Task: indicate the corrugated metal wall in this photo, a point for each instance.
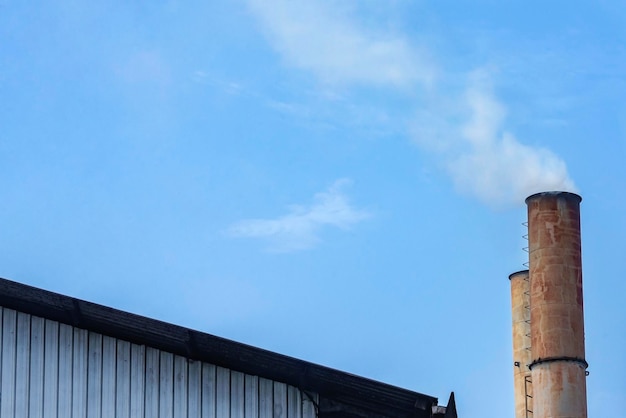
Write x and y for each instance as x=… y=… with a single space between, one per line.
x=53 y=370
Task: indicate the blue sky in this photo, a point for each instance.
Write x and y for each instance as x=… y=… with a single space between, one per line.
x=339 y=181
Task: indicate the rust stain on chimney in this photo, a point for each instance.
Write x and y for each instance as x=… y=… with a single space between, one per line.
x=558 y=366
x=520 y=308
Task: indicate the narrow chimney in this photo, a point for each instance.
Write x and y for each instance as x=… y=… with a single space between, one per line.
x=520 y=308
x=558 y=366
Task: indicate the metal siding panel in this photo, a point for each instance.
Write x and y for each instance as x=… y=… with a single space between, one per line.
x=251 y=396
x=1 y=356
x=94 y=376
x=122 y=383
x=166 y=385
x=237 y=394
x=109 y=363
x=222 y=392
x=66 y=337
x=194 y=389
x=266 y=398
x=37 y=337
x=180 y=387
x=209 y=390
x=1 y=333
x=294 y=402
x=9 y=341
x=51 y=369
x=309 y=405
x=152 y=382
x=280 y=400
x=137 y=380
x=55 y=371
x=79 y=373
x=22 y=365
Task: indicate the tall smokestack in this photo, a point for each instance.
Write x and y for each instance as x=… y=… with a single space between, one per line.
x=558 y=367
x=520 y=308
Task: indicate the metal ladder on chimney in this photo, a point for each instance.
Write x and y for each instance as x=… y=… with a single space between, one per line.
x=527 y=291
x=528 y=383
x=528 y=392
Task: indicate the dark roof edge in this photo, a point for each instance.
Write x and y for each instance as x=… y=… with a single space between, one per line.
x=201 y=346
x=451 y=408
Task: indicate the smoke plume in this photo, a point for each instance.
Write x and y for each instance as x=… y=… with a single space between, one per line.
x=467 y=135
x=482 y=158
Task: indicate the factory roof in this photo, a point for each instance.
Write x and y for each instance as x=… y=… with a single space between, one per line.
x=340 y=394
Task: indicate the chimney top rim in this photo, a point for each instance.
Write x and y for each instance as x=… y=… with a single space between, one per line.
x=526 y=271
x=568 y=195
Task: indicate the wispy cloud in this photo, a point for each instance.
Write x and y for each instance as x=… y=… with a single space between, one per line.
x=145 y=67
x=313 y=35
x=299 y=229
x=226 y=86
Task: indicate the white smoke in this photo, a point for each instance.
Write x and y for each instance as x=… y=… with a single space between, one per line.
x=467 y=135
x=483 y=159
